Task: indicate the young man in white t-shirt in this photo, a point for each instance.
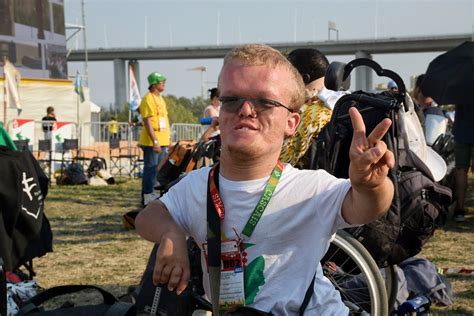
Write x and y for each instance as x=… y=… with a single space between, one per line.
x=290 y=230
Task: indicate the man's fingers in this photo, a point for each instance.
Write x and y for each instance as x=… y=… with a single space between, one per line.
x=379 y=131
x=174 y=277
x=389 y=159
x=374 y=154
x=157 y=273
x=358 y=138
x=165 y=274
x=183 y=283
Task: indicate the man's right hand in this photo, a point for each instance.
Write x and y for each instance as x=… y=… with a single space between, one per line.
x=172 y=263
x=157 y=148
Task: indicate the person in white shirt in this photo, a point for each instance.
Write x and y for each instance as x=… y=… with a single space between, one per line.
x=212 y=110
x=280 y=219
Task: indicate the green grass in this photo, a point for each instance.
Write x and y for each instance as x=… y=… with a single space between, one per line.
x=92 y=247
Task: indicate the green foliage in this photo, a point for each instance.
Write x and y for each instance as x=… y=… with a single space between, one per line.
x=120 y=116
x=180 y=110
x=198 y=105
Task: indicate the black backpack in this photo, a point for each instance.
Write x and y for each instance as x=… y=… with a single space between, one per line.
x=158 y=300
x=96 y=164
x=419 y=203
x=73 y=174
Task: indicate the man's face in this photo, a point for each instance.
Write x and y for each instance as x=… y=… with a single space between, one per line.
x=160 y=86
x=247 y=133
x=421 y=99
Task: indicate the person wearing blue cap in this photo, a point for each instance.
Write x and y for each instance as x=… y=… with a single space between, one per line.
x=155 y=134
x=392 y=87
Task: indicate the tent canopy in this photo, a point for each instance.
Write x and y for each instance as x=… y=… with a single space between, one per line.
x=94 y=107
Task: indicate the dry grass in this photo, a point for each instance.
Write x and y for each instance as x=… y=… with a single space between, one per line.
x=92 y=247
x=453 y=247
x=90 y=244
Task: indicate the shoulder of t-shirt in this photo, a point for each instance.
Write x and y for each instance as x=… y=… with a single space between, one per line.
x=194 y=175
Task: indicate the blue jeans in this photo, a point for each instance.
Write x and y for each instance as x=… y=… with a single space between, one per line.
x=151 y=160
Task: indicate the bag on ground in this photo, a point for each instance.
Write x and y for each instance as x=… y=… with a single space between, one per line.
x=110 y=305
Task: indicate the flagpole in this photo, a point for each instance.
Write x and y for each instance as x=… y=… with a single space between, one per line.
x=130 y=127
x=77 y=110
x=78 y=97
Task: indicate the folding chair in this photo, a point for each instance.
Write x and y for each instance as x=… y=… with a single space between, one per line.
x=44 y=156
x=22 y=144
x=119 y=153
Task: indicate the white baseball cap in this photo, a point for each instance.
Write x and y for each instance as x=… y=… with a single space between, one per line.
x=424 y=157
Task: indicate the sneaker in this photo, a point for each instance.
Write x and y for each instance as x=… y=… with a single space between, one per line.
x=148 y=197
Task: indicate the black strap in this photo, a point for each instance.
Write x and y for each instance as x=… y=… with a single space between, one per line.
x=48 y=294
x=122 y=309
x=214 y=245
x=308 y=294
x=214 y=226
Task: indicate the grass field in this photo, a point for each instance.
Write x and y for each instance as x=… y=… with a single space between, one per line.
x=92 y=247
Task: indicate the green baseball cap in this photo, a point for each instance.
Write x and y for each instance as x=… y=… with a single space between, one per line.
x=155 y=77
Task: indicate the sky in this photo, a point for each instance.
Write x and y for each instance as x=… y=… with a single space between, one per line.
x=159 y=23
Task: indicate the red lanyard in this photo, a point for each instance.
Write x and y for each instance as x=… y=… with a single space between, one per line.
x=261 y=205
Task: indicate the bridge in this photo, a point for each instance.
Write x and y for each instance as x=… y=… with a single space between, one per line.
x=360 y=48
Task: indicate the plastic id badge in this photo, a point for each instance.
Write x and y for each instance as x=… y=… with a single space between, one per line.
x=232 y=276
x=162 y=124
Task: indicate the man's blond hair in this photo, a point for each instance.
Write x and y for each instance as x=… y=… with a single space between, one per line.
x=260 y=54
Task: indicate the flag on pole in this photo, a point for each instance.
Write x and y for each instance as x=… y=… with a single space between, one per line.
x=78 y=87
x=135 y=98
x=12 y=82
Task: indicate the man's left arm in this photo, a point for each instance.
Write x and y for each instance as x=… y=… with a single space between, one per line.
x=372 y=191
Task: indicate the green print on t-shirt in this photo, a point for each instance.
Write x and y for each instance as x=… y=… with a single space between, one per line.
x=253 y=278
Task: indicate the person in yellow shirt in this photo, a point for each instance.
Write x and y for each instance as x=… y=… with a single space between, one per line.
x=113 y=128
x=155 y=134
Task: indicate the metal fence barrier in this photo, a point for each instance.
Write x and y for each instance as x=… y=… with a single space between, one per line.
x=93 y=137
x=181 y=131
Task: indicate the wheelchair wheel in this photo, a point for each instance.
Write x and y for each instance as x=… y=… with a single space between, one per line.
x=353 y=272
x=390 y=276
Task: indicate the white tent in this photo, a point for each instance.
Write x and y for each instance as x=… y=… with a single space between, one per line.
x=95 y=112
x=37 y=95
x=94 y=107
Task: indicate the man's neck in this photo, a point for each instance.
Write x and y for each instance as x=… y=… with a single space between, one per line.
x=246 y=169
x=155 y=92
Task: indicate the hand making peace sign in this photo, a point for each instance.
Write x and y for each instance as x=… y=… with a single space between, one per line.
x=370 y=158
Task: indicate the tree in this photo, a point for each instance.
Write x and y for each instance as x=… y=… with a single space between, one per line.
x=178 y=112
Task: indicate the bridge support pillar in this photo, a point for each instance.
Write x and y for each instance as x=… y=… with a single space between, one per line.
x=120 y=84
x=364 y=74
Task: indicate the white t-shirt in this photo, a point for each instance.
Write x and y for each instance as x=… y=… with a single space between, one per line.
x=288 y=242
x=211 y=111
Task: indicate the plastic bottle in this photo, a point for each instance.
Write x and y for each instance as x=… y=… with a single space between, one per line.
x=418 y=304
x=206 y=120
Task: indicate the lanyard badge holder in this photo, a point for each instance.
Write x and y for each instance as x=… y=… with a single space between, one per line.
x=224 y=258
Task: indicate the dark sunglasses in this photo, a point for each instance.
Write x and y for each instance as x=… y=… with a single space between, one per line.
x=233 y=104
